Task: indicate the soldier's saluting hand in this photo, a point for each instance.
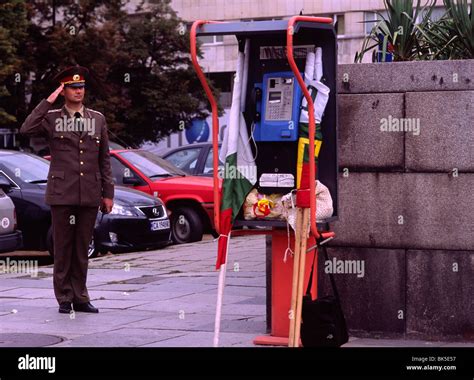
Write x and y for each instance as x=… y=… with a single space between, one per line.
x=52 y=98
x=79 y=181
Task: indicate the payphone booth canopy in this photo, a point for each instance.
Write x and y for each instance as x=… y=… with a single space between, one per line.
x=268 y=35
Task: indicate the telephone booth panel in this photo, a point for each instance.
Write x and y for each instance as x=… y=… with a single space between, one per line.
x=272 y=106
x=276 y=151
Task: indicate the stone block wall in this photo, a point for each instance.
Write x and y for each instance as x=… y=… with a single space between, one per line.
x=406 y=197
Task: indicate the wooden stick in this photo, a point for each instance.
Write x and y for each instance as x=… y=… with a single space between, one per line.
x=294 y=284
x=301 y=271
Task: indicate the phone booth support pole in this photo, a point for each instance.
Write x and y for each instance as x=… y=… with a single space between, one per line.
x=215 y=120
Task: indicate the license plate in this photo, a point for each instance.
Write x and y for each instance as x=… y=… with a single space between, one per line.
x=160 y=225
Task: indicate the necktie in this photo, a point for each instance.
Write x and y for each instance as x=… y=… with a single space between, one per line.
x=78 y=122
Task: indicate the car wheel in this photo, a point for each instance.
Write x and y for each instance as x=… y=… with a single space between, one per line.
x=186 y=226
x=91 y=251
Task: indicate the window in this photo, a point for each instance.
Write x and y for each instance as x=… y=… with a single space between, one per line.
x=261 y=19
x=28 y=168
x=371 y=18
x=208 y=166
x=150 y=164
x=340 y=26
x=211 y=39
x=436 y=14
x=223 y=81
x=185 y=159
x=121 y=171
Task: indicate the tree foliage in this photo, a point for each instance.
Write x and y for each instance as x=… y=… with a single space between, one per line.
x=141 y=76
x=13 y=26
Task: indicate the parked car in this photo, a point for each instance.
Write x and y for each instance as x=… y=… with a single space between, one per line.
x=188 y=198
x=11 y=239
x=195 y=159
x=137 y=221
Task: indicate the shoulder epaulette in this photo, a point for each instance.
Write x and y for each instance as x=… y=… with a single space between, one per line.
x=100 y=113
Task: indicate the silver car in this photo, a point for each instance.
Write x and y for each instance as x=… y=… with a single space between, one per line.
x=10 y=238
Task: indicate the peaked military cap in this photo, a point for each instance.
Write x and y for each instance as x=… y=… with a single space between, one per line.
x=73 y=76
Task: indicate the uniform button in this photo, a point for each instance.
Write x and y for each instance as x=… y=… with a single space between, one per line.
x=80 y=141
x=82 y=163
x=81 y=152
x=82 y=173
x=62 y=136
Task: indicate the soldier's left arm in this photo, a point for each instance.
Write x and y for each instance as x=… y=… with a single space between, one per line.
x=104 y=164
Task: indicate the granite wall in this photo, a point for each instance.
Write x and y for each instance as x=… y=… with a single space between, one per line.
x=406 y=198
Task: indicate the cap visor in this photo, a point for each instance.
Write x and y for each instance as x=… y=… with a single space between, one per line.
x=75 y=85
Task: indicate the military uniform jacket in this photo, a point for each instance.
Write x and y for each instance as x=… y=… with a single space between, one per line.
x=80 y=172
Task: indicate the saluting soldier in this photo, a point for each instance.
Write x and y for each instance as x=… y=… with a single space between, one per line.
x=79 y=181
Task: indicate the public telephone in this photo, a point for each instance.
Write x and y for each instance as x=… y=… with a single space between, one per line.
x=277 y=101
x=272 y=116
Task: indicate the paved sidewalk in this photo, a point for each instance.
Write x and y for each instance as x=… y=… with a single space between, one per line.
x=162 y=298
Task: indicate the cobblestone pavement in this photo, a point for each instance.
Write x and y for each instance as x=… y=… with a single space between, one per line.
x=161 y=298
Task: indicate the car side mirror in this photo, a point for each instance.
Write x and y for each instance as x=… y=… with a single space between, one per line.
x=131 y=181
x=5 y=184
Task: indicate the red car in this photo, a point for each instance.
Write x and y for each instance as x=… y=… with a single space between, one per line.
x=188 y=198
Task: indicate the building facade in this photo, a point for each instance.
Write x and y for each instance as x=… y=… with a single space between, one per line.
x=353 y=21
x=350 y=17
x=220 y=52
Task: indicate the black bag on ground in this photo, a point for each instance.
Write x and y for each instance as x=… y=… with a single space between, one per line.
x=322 y=320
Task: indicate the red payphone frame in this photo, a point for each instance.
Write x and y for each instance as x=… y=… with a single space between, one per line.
x=304 y=199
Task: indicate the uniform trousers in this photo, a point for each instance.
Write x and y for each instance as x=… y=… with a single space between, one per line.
x=73 y=227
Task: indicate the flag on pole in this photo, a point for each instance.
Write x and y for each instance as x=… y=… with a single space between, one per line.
x=320 y=94
x=240 y=171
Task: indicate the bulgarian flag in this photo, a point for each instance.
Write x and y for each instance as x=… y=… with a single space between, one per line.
x=240 y=171
x=320 y=95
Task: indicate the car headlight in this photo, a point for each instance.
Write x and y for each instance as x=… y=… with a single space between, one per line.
x=120 y=210
x=165 y=210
